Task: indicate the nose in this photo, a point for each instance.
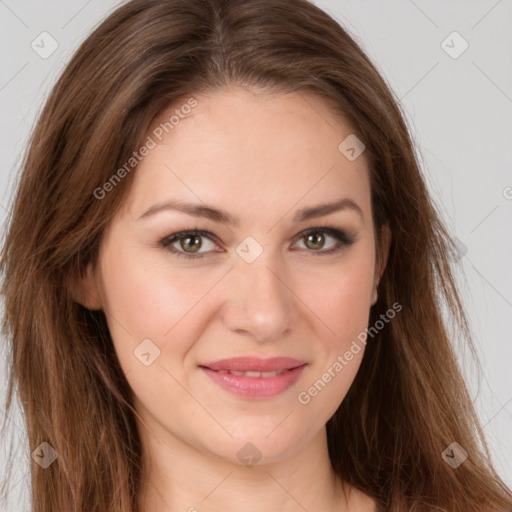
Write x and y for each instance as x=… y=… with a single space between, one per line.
x=260 y=303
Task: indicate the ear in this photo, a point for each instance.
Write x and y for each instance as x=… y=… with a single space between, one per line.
x=85 y=289
x=384 y=254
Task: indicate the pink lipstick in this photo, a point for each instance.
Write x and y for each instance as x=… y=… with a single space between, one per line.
x=253 y=377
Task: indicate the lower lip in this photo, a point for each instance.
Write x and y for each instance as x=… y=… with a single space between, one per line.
x=255 y=387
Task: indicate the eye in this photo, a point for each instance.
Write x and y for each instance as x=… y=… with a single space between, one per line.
x=316 y=239
x=188 y=244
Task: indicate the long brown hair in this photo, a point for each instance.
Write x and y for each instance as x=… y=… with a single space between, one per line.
x=408 y=402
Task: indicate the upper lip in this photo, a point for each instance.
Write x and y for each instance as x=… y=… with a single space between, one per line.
x=247 y=364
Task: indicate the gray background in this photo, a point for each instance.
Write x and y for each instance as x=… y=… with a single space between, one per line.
x=460 y=114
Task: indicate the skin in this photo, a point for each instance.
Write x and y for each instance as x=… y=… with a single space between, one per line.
x=261 y=157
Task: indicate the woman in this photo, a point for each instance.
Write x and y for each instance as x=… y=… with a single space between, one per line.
x=223 y=278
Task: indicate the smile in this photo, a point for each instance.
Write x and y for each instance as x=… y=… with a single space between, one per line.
x=252 y=377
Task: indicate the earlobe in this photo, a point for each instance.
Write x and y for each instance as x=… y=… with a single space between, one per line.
x=85 y=290
x=375 y=294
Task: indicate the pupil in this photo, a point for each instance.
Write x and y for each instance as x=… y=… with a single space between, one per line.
x=317 y=240
x=195 y=245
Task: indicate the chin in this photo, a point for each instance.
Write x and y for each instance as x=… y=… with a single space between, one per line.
x=256 y=446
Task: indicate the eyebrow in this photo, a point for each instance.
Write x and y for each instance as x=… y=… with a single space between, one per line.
x=217 y=215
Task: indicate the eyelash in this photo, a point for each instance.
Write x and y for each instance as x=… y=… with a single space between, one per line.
x=342 y=238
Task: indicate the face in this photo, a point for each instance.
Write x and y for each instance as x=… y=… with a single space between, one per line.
x=225 y=249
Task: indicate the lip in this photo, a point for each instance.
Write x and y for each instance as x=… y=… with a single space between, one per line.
x=252 y=386
x=256 y=364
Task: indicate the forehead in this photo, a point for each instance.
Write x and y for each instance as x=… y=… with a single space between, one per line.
x=249 y=150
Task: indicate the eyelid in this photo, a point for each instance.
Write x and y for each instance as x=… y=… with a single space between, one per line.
x=341 y=236
x=167 y=241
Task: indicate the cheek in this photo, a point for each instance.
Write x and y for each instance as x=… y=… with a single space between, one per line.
x=148 y=297
x=343 y=307
x=341 y=298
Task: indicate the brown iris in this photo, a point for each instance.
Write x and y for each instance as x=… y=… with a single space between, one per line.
x=191 y=242
x=317 y=241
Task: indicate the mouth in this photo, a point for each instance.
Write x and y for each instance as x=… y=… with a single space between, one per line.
x=253 y=377
x=251 y=373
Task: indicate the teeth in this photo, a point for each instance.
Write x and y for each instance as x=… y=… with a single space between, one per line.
x=271 y=374
x=253 y=373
